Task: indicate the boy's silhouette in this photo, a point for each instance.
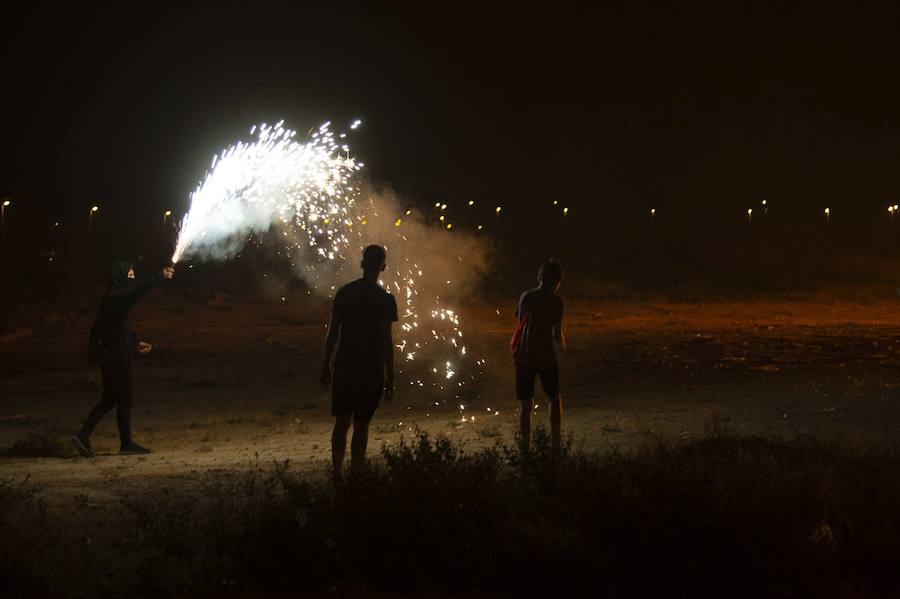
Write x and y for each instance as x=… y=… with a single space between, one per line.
x=543 y=309
x=361 y=318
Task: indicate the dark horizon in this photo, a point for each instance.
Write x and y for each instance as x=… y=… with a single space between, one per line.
x=695 y=110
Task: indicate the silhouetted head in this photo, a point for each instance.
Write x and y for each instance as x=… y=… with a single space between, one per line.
x=121 y=275
x=373 y=260
x=550 y=275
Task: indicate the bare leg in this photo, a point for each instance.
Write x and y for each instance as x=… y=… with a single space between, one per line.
x=339 y=444
x=525 y=424
x=556 y=420
x=359 y=443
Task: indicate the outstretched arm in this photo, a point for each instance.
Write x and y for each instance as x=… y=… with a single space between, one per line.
x=334 y=327
x=133 y=296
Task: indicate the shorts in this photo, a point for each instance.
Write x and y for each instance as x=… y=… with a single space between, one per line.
x=355 y=396
x=525 y=374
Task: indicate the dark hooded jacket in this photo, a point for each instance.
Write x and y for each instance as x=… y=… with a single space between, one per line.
x=115 y=318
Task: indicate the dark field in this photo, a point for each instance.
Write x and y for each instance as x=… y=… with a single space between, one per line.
x=796 y=402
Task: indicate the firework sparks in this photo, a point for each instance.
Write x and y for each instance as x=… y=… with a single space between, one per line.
x=308 y=195
x=251 y=186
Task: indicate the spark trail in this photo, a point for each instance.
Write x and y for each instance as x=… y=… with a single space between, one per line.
x=307 y=195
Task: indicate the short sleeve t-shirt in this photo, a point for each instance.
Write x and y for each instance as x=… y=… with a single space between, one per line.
x=546 y=310
x=363 y=307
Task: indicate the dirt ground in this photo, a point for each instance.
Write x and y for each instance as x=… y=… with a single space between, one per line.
x=231 y=385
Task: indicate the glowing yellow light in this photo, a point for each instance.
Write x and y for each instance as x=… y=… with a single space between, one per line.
x=555 y=202
x=763 y=202
x=437 y=205
x=480 y=227
x=442 y=218
x=896 y=207
x=95 y=208
x=565 y=211
x=443 y=206
x=890 y=208
x=498 y=209
x=56 y=224
x=397 y=222
x=408 y=212
x=749 y=211
x=6 y=203
x=167 y=213
x=652 y=211
x=827 y=211
x=471 y=202
x=449 y=226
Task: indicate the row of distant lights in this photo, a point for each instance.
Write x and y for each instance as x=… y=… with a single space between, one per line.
x=168 y=213
x=497 y=211
x=91 y=212
x=764 y=204
x=891 y=209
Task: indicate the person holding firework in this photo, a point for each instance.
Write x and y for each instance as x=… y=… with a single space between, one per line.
x=111 y=347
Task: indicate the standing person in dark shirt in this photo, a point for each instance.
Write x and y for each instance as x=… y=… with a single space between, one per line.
x=361 y=318
x=543 y=310
x=118 y=341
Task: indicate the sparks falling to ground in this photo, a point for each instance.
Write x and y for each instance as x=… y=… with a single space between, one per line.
x=307 y=195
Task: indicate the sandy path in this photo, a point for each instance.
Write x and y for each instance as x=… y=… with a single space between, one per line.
x=233 y=388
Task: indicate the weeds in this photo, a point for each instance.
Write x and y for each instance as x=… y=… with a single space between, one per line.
x=723 y=516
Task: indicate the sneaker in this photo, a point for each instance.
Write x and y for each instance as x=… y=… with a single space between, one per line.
x=83 y=446
x=133 y=449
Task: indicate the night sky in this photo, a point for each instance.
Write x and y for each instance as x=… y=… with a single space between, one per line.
x=692 y=108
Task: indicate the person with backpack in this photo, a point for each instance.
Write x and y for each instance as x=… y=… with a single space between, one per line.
x=110 y=346
x=538 y=334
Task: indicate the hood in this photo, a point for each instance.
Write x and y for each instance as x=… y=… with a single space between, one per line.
x=118 y=275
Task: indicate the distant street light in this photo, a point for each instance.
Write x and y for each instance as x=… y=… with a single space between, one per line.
x=652 y=214
x=749 y=216
x=5 y=205
x=765 y=206
x=827 y=216
x=166 y=216
x=91 y=213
